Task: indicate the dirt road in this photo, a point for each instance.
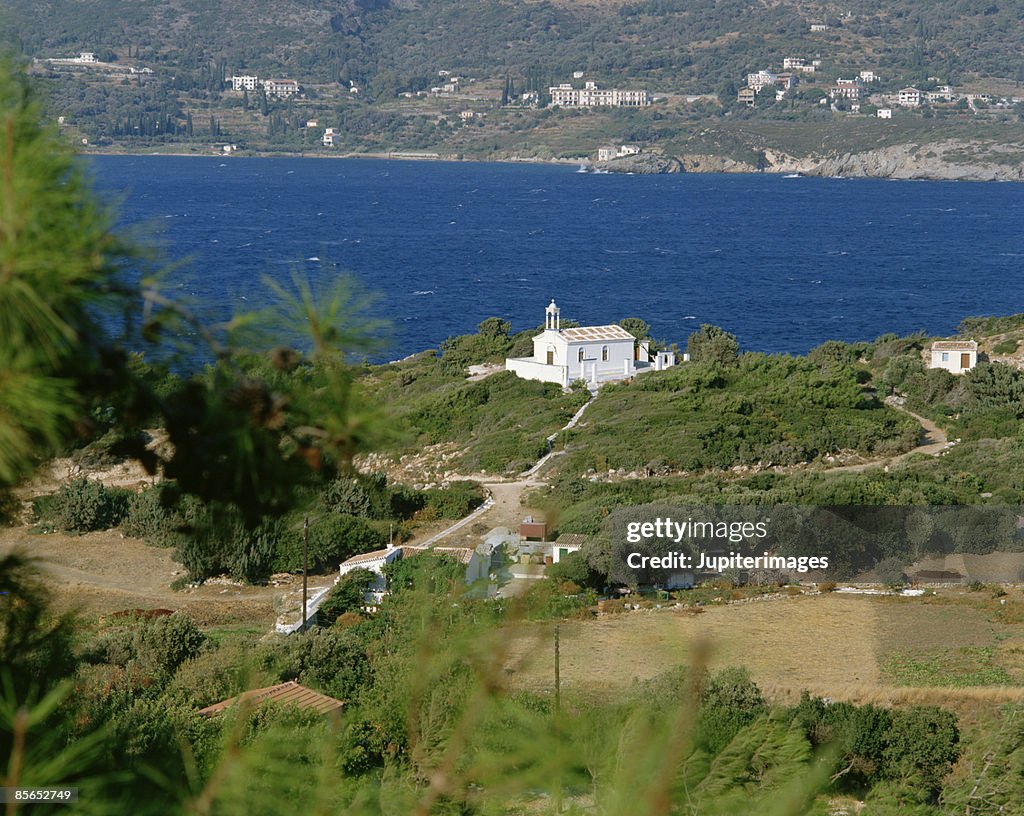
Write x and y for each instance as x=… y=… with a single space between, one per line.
x=100 y=573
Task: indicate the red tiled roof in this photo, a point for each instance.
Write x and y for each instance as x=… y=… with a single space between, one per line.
x=954 y=345
x=463 y=554
x=290 y=693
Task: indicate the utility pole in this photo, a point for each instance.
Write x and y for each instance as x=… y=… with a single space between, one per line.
x=305 y=568
x=558 y=678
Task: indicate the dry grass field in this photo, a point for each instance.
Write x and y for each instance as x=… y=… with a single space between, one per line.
x=859 y=648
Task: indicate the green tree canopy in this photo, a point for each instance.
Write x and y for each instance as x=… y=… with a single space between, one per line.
x=711 y=344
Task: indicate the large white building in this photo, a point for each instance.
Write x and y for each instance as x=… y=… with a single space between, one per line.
x=761 y=79
x=281 y=88
x=594 y=354
x=956 y=356
x=591 y=96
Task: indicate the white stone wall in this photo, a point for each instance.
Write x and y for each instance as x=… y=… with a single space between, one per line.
x=530 y=369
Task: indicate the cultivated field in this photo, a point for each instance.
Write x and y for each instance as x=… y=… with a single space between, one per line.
x=953 y=649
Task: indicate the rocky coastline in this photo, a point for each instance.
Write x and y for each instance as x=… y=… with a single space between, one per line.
x=951 y=160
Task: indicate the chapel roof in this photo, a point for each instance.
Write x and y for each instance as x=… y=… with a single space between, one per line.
x=584 y=333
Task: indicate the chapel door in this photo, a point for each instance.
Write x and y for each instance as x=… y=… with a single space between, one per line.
x=965 y=361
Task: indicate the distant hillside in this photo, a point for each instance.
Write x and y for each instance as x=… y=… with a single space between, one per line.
x=366 y=67
x=672 y=45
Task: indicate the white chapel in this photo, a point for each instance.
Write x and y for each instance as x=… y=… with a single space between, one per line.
x=595 y=354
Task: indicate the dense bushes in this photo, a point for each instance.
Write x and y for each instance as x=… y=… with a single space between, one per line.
x=161 y=516
x=915 y=747
x=156 y=646
x=346 y=596
x=766 y=409
x=84 y=505
x=987 y=402
x=491 y=343
x=346 y=516
x=332 y=538
x=370 y=496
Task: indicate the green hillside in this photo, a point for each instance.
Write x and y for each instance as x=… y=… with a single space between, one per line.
x=677 y=45
x=366 y=67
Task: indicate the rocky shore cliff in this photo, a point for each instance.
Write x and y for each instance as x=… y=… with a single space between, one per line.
x=951 y=160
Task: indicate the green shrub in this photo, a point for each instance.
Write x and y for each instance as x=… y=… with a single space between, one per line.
x=1007 y=346
x=208 y=677
x=921 y=746
x=219 y=541
x=346 y=595
x=456 y=500
x=84 y=505
x=729 y=701
x=153 y=645
x=332 y=539
x=160 y=515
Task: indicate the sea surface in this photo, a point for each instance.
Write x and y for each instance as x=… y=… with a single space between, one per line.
x=784 y=263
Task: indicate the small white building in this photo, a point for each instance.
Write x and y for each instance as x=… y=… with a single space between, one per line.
x=374 y=562
x=868 y=76
x=609 y=153
x=594 y=354
x=884 y=113
x=328 y=137
x=909 y=98
x=86 y=56
x=956 y=356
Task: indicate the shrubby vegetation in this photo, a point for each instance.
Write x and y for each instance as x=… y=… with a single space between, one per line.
x=426 y=700
x=83 y=505
x=499 y=424
x=757 y=409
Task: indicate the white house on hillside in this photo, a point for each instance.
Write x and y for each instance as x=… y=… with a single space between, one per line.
x=956 y=356
x=595 y=354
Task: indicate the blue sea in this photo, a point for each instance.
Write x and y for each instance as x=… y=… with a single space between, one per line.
x=784 y=263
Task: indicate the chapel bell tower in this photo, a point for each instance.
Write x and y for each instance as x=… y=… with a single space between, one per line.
x=552 y=317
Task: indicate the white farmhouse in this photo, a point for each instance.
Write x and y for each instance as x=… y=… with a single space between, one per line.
x=595 y=354
x=956 y=356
